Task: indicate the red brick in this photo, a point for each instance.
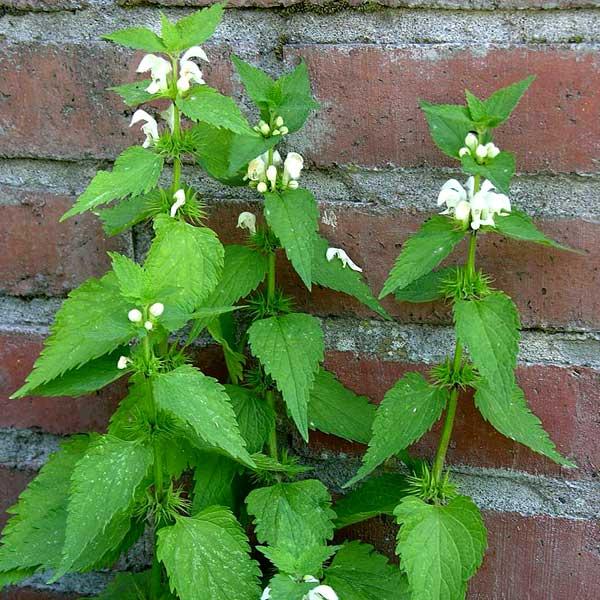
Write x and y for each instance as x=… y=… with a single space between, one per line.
x=565 y=399
x=12 y=483
x=39 y=255
x=550 y=287
x=370 y=116
x=532 y=557
x=54 y=102
x=27 y=593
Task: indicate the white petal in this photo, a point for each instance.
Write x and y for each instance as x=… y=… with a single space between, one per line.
x=134 y=315
x=462 y=210
x=471 y=141
x=266 y=595
x=123 y=362
x=147 y=63
x=256 y=169
x=169 y=116
x=276 y=158
x=451 y=194
x=481 y=152
x=247 y=220
x=272 y=175
x=322 y=592
x=293 y=165
x=310 y=579
x=157 y=309
x=148 y=325
x=141 y=115
x=179 y=197
x=155 y=87
x=341 y=254
x=194 y=52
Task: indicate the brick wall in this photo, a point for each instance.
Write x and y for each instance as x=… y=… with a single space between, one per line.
x=376 y=174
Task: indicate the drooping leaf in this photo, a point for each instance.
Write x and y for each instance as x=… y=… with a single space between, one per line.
x=136 y=171
x=423 y=251
x=499 y=106
x=334 y=276
x=213 y=479
x=103 y=487
x=498 y=170
x=360 y=573
x=245 y=148
x=207 y=105
x=290 y=348
x=293 y=216
x=136 y=38
x=409 y=409
x=515 y=420
x=201 y=402
x=449 y=124
x=128 y=213
x=339 y=411
x=196 y=28
x=292 y=515
x=440 y=547
x=209 y=552
x=427 y=288
x=519 y=226
x=376 y=496
x=95 y=308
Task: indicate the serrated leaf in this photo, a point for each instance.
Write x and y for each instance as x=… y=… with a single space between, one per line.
x=476 y=108
x=360 y=573
x=376 y=496
x=128 y=586
x=501 y=103
x=254 y=415
x=334 y=276
x=103 y=486
x=339 y=411
x=519 y=226
x=303 y=561
x=293 y=216
x=196 y=28
x=290 y=348
x=268 y=464
x=427 y=288
x=498 y=170
x=257 y=83
x=136 y=38
x=213 y=481
x=449 y=124
x=135 y=93
x=292 y=516
x=409 y=409
x=208 y=552
x=202 y=403
x=423 y=251
x=245 y=148
x=132 y=278
x=169 y=34
x=127 y=213
x=285 y=587
x=96 y=308
x=207 y=105
x=440 y=547
x=515 y=420
x=186 y=258
x=136 y=171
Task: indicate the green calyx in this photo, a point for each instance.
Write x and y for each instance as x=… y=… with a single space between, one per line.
x=431 y=489
x=462 y=284
x=446 y=375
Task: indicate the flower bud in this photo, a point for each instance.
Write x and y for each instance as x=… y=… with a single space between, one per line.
x=481 y=152
x=471 y=141
x=284 y=130
x=279 y=122
x=276 y=132
x=157 y=309
x=463 y=151
x=264 y=128
x=148 y=325
x=492 y=150
x=293 y=185
x=272 y=175
x=135 y=315
x=123 y=362
x=261 y=187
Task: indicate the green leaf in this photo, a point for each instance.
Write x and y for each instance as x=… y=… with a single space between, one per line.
x=501 y=103
x=186 y=258
x=103 y=487
x=127 y=213
x=515 y=420
x=245 y=148
x=136 y=38
x=304 y=560
x=290 y=348
x=34 y=535
x=476 y=108
x=255 y=417
x=196 y=28
x=170 y=34
x=202 y=403
x=449 y=124
x=88 y=378
x=135 y=93
x=257 y=83
x=423 y=251
x=91 y=322
x=132 y=278
x=284 y=587
x=207 y=105
x=136 y=171
x=292 y=516
x=409 y=409
x=213 y=480
x=335 y=276
x=489 y=328
x=360 y=573
x=268 y=464
x=440 y=547
x=499 y=170
x=339 y=411
x=234 y=360
x=519 y=226
x=427 y=288
x=129 y=586
x=376 y=496
x=293 y=216
x=293 y=98
x=208 y=553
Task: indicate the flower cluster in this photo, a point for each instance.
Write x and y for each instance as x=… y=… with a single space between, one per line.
x=278 y=127
x=264 y=174
x=479 y=208
x=135 y=315
x=480 y=152
x=321 y=592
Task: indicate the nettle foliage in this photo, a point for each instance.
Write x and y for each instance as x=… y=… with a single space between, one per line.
x=442 y=537
x=193 y=461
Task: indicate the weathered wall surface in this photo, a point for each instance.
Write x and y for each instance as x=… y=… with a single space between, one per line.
x=376 y=174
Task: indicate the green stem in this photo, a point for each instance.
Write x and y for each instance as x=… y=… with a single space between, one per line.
x=176 y=135
x=270 y=395
x=471 y=257
x=156 y=578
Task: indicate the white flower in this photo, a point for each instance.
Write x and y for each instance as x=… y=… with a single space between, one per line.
x=157 y=309
x=292 y=167
x=149 y=325
x=123 y=362
x=341 y=254
x=189 y=72
x=149 y=128
x=247 y=220
x=179 y=197
x=480 y=152
x=169 y=116
x=322 y=592
x=194 y=52
x=256 y=169
x=451 y=194
x=135 y=315
x=471 y=141
x=266 y=595
x=293 y=185
x=464 y=151
x=272 y=175
x=491 y=150
x=462 y=211
x=276 y=158
x=261 y=187
x=159 y=70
